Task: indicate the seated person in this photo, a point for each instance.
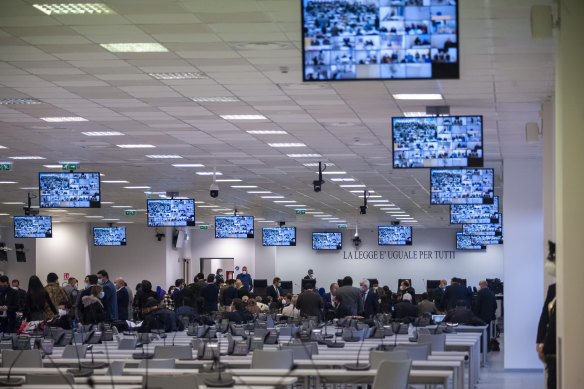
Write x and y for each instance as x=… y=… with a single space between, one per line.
x=64 y=316
x=252 y=307
x=187 y=310
x=426 y=305
x=157 y=318
x=238 y=312
x=462 y=315
x=290 y=310
x=405 y=308
x=93 y=310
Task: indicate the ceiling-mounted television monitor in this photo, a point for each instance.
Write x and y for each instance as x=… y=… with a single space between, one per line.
x=279 y=236
x=461 y=186
x=481 y=229
x=234 y=227
x=327 y=241
x=468 y=242
x=437 y=141
x=394 y=235
x=475 y=213
x=33 y=227
x=109 y=236
x=69 y=190
x=171 y=212
x=380 y=39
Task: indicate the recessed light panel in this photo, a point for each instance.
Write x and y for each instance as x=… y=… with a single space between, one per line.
x=27 y=157
x=188 y=165
x=286 y=145
x=304 y=155
x=102 y=133
x=74 y=9
x=134 y=47
x=267 y=132
x=25 y=100
x=243 y=117
x=223 y=99
x=64 y=119
x=178 y=76
x=136 y=146
x=417 y=96
x=209 y=173
x=163 y=156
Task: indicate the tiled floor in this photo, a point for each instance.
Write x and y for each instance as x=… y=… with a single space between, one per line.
x=495 y=377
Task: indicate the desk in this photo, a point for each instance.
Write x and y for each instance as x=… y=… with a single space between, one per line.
x=483 y=331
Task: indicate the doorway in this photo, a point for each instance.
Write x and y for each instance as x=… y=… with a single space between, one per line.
x=210 y=266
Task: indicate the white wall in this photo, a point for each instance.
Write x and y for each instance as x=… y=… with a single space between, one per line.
x=18 y=270
x=65 y=252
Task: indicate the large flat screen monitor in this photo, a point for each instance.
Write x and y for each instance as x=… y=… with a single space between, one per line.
x=171 y=212
x=380 y=39
x=33 y=227
x=109 y=236
x=394 y=235
x=437 y=141
x=327 y=241
x=468 y=242
x=475 y=213
x=489 y=229
x=461 y=186
x=234 y=227
x=69 y=190
x=279 y=236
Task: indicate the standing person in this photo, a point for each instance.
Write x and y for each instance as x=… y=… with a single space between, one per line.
x=405 y=287
x=20 y=294
x=329 y=301
x=210 y=294
x=70 y=288
x=309 y=275
x=8 y=306
x=219 y=276
x=123 y=300
x=454 y=293
x=485 y=306
x=546 y=329
x=36 y=300
x=241 y=289
x=309 y=303
x=275 y=290
x=197 y=285
x=439 y=292
x=90 y=280
x=350 y=301
x=179 y=293
x=167 y=301
x=370 y=300
x=229 y=294
x=56 y=293
x=290 y=309
x=245 y=278
x=93 y=309
x=110 y=301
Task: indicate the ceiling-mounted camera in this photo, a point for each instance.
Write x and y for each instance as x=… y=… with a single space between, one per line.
x=214 y=190
x=356 y=238
x=363 y=208
x=317 y=184
x=395 y=223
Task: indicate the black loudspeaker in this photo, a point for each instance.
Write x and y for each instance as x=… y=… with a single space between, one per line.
x=20 y=254
x=541 y=22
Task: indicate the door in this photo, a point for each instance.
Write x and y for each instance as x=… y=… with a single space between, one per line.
x=210 y=265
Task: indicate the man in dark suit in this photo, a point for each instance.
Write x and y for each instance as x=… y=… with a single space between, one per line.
x=275 y=291
x=351 y=302
x=405 y=287
x=8 y=306
x=309 y=303
x=453 y=293
x=329 y=303
x=405 y=309
x=370 y=300
x=463 y=315
x=210 y=294
x=229 y=293
x=439 y=293
x=485 y=306
x=310 y=275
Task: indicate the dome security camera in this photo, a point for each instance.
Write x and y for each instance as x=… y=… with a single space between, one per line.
x=214 y=190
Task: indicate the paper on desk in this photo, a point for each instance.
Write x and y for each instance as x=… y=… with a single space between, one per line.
x=131 y=324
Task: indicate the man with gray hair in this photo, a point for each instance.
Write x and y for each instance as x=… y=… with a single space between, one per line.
x=370 y=299
x=124 y=297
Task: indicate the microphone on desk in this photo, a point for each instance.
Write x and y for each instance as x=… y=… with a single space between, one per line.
x=220 y=381
x=173 y=337
x=79 y=371
x=92 y=364
x=358 y=366
x=335 y=344
x=143 y=355
x=12 y=381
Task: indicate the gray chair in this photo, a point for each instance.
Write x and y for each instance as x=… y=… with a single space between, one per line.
x=418 y=352
x=72 y=351
x=351 y=333
x=28 y=358
x=299 y=351
x=172 y=381
x=116 y=368
x=174 y=352
x=157 y=363
x=272 y=359
x=435 y=342
x=285 y=331
x=376 y=357
x=127 y=343
x=64 y=379
x=392 y=374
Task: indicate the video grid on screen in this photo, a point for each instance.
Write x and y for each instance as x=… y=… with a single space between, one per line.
x=475 y=213
x=109 y=236
x=394 y=235
x=380 y=39
x=69 y=190
x=327 y=241
x=171 y=212
x=481 y=229
x=468 y=242
x=439 y=141
x=279 y=236
x=33 y=227
x=234 y=227
x=461 y=186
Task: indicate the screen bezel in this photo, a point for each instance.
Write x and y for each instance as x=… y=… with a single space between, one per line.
x=235 y=237
x=110 y=245
x=496 y=213
x=187 y=223
x=75 y=172
x=396 y=244
x=31 y=237
x=327 y=232
x=303 y=58
x=278 y=245
x=482 y=159
x=460 y=169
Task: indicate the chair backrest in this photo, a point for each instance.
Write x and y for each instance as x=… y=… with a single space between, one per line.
x=174 y=352
x=300 y=351
x=173 y=381
x=116 y=368
x=64 y=379
x=376 y=357
x=28 y=358
x=128 y=343
x=72 y=351
x=157 y=364
x=270 y=359
x=435 y=342
x=285 y=331
x=392 y=374
x=418 y=352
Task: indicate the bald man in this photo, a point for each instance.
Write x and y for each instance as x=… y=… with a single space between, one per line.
x=124 y=297
x=485 y=306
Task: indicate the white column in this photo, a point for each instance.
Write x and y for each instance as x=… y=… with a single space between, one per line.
x=523 y=260
x=549 y=180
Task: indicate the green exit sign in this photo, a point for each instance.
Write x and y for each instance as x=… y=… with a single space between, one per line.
x=301 y=211
x=6 y=166
x=204 y=227
x=130 y=212
x=69 y=166
x=341 y=225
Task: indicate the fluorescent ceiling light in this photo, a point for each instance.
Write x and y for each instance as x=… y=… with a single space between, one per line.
x=229 y=180
x=222 y=99
x=134 y=47
x=3 y=147
x=164 y=156
x=325 y=215
x=333 y=172
x=266 y=221
x=304 y=155
x=286 y=145
x=53 y=166
x=312 y=164
x=404 y=218
x=414 y=114
x=178 y=76
x=76 y=214
x=8 y=182
x=29 y=188
x=26 y=100
x=285 y=201
x=395 y=212
x=296 y=205
x=409 y=221
x=353 y=186
x=94 y=217
x=244 y=186
x=199 y=202
x=372 y=196
x=57 y=210
x=12 y=203
x=4 y=214
x=381 y=205
x=64 y=119
x=125 y=222
x=337 y=221
x=110 y=220
x=272 y=197
x=267 y=132
x=28 y=157
x=258 y=191
x=115 y=182
x=137 y=187
x=102 y=133
x=417 y=96
x=209 y=173
x=121 y=206
x=341 y=179
x=136 y=146
x=313 y=212
x=359 y=191
x=243 y=117
x=379 y=201
x=221 y=209
x=188 y=165
x=388 y=209
x=74 y=9
x=207 y=206
x=330 y=218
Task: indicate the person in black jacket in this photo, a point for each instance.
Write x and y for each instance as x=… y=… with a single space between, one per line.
x=309 y=303
x=439 y=293
x=93 y=309
x=8 y=306
x=229 y=293
x=156 y=318
x=143 y=295
x=485 y=306
x=275 y=291
x=36 y=299
x=463 y=315
x=405 y=309
x=453 y=293
x=546 y=329
x=239 y=314
x=405 y=287
x=210 y=293
x=20 y=294
x=370 y=300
